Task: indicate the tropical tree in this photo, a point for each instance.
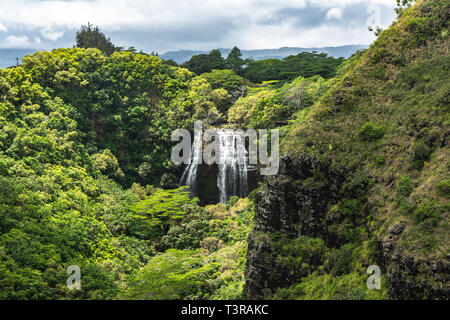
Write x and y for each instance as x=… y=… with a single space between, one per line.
x=203 y=63
x=235 y=61
x=91 y=37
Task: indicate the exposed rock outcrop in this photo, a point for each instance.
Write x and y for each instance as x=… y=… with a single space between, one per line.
x=294 y=203
x=288 y=204
x=413 y=278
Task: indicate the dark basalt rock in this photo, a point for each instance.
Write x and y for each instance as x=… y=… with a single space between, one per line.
x=444 y=139
x=396 y=229
x=413 y=278
x=207 y=190
x=288 y=205
x=259 y=266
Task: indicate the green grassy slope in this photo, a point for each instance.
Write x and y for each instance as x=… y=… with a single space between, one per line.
x=388 y=117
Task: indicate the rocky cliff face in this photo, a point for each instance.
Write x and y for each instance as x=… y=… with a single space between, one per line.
x=386 y=118
x=294 y=202
x=410 y=277
x=207 y=189
x=288 y=205
x=297 y=203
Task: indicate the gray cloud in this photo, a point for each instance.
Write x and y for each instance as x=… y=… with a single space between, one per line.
x=159 y=25
x=167 y=38
x=314 y=16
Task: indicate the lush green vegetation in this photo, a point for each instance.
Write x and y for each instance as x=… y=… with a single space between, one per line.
x=85 y=175
x=304 y=64
x=86 y=179
x=204 y=257
x=269 y=105
x=91 y=37
x=127 y=103
x=386 y=116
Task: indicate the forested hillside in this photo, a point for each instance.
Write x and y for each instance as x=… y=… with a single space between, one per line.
x=365 y=180
x=86 y=177
x=304 y=64
x=182 y=56
x=85 y=143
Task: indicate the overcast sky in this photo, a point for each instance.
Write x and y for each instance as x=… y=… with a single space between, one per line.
x=163 y=25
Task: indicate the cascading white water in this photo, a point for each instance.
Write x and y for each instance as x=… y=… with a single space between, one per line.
x=189 y=177
x=232 y=168
x=232 y=176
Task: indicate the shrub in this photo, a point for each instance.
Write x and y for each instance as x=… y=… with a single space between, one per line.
x=421 y=153
x=380 y=160
x=342 y=260
x=379 y=54
x=356 y=186
x=318 y=286
x=253 y=195
x=350 y=207
x=371 y=132
x=428 y=210
x=245 y=108
x=169 y=181
x=404 y=186
x=218 y=211
x=232 y=202
x=420 y=29
x=191 y=231
x=107 y=163
x=240 y=206
x=211 y=244
x=406 y=207
x=443 y=188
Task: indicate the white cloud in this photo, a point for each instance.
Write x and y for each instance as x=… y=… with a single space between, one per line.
x=71 y=14
x=2 y=27
x=334 y=13
x=51 y=34
x=18 y=41
x=118 y=14
x=189 y=24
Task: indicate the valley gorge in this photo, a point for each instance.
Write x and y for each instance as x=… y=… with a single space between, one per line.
x=95 y=204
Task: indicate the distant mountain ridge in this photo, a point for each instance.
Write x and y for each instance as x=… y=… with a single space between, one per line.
x=181 y=56
x=8 y=56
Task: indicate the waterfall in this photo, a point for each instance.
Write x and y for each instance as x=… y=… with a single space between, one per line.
x=189 y=177
x=232 y=176
x=232 y=166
